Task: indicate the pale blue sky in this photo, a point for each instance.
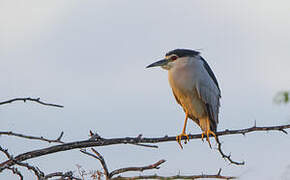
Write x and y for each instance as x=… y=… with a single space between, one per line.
x=90 y=56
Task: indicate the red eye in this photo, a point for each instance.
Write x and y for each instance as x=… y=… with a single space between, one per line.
x=173 y=58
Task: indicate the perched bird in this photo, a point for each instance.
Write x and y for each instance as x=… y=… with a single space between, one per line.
x=195 y=88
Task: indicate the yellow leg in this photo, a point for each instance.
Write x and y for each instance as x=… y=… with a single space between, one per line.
x=208 y=132
x=178 y=138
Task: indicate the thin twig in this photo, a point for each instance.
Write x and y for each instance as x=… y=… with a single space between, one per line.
x=17 y=172
x=122 y=170
x=37 y=100
x=5 y=151
x=10 y=133
x=227 y=157
x=38 y=173
x=127 y=140
x=102 y=160
x=99 y=157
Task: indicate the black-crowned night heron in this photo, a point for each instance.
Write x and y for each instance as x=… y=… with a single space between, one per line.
x=194 y=87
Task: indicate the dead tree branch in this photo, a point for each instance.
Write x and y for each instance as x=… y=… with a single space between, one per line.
x=5 y=151
x=99 y=157
x=128 y=140
x=39 y=174
x=37 y=100
x=141 y=169
x=109 y=175
x=67 y=175
x=17 y=172
x=202 y=176
x=10 y=133
x=227 y=157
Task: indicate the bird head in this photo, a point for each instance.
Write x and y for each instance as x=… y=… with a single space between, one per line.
x=172 y=57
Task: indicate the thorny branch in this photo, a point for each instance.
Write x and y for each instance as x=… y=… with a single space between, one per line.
x=37 y=100
x=10 y=133
x=127 y=140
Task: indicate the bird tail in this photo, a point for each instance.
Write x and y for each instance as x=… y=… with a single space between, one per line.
x=213 y=123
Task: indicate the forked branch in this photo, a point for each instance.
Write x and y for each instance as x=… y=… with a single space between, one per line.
x=109 y=175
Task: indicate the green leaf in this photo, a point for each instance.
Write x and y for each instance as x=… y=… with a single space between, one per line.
x=282 y=97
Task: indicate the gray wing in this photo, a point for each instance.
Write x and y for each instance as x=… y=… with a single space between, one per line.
x=210 y=72
x=208 y=90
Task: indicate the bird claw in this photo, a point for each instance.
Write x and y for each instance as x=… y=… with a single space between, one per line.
x=208 y=132
x=178 y=139
x=202 y=136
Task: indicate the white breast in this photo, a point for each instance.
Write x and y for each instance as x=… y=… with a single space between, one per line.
x=183 y=79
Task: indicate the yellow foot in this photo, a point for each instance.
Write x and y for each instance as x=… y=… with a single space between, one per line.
x=207 y=133
x=178 y=139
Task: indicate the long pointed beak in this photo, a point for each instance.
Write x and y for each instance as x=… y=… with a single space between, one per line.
x=158 y=63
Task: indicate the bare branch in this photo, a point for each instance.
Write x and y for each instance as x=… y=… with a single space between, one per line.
x=203 y=176
x=37 y=100
x=99 y=157
x=17 y=172
x=62 y=175
x=227 y=157
x=128 y=140
x=5 y=151
x=36 y=170
x=253 y=129
x=10 y=133
x=145 y=145
x=102 y=160
x=96 y=136
x=122 y=170
x=109 y=175
x=142 y=168
x=40 y=175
